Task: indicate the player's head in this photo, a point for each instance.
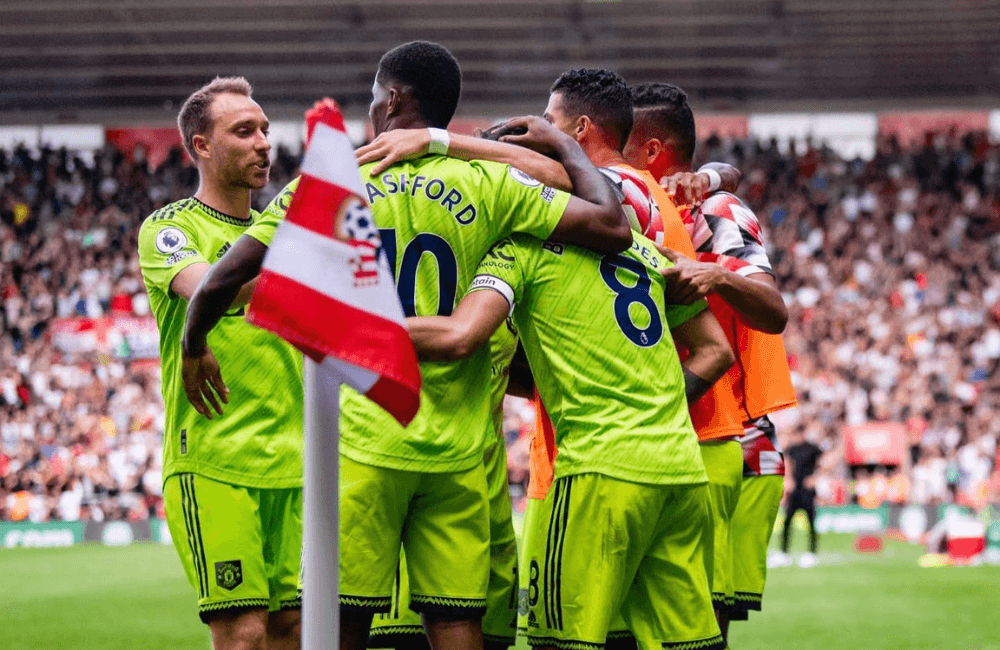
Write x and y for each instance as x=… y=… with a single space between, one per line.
x=225 y=132
x=663 y=136
x=591 y=105
x=416 y=82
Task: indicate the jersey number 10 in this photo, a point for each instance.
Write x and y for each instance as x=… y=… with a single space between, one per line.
x=406 y=279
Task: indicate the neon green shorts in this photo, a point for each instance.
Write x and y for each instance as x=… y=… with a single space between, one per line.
x=401 y=626
x=442 y=520
x=612 y=545
x=240 y=547
x=753 y=524
x=724 y=465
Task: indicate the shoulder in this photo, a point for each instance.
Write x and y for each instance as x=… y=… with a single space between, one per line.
x=176 y=212
x=729 y=206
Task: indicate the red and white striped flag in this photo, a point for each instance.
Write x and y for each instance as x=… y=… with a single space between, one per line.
x=325 y=285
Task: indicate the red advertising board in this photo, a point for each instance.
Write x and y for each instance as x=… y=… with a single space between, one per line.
x=876 y=443
x=154 y=142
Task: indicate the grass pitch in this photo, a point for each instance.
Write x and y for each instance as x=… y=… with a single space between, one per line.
x=136 y=598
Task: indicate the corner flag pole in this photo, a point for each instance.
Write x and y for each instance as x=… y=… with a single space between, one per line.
x=320 y=512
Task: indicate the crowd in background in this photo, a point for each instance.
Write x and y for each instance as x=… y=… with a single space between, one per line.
x=890 y=269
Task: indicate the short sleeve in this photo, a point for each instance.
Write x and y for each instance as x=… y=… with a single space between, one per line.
x=166 y=248
x=502 y=270
x=734 y=232
x=267 y=224
x=523 y=204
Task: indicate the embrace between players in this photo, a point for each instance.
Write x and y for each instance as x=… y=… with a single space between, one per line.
x=635 y=534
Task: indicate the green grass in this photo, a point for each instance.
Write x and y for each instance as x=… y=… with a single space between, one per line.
x=136 y=598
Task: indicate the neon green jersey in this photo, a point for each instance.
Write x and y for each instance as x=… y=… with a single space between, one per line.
x=596 y=333
x=437 y=217
x=257 y=441
x=503 y=345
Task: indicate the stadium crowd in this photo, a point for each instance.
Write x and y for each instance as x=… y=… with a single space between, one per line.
x=890 y=269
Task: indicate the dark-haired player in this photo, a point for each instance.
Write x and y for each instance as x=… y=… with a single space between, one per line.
x=233 y=482
x=423 y=487
x=734 y=273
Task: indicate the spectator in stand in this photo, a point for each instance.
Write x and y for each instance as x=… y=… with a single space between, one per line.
x=890 y=269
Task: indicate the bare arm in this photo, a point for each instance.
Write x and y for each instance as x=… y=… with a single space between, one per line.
x=448 y=338
x=220 y=284
x=403 y=144
x=710 y=354
x=594 y=218
x=185 y=283
x=755 y=297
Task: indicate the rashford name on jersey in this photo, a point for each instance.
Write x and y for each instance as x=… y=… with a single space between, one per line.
x=433 y=189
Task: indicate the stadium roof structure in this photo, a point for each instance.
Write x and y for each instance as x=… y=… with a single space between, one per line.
x=69 y=60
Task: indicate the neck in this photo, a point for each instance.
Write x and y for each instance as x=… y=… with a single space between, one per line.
x=603 y=156
x=407 y=120
x=234 y=201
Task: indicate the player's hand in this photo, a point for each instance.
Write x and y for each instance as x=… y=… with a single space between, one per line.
x=203 y=381
x=538 y=134
x=392 y=146
x=316 y=114
x=688 y=280
x=686 y=188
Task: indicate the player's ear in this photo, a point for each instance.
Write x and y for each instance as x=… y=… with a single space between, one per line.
x=653 y=149
x=393 y=102
x=201 y=146
x=582 y=126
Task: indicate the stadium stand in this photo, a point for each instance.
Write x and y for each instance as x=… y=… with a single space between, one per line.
x=902 y=251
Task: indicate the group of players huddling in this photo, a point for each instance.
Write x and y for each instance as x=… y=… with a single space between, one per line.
x=655 y=473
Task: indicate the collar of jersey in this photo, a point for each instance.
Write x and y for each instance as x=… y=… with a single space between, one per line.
x=222 y=216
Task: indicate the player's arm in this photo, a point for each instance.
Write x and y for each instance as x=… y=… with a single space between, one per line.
x=448 y=338
x=404 y=144
x=710 y=354
x=594 y=217
x=185 y=283
x=754 y=297
x=210 y=300
x=694 y=187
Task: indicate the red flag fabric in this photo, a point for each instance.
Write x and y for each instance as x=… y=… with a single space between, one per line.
x=325 y=285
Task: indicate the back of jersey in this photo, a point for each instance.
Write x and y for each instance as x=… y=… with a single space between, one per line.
x=596 y=333
x=437 y=217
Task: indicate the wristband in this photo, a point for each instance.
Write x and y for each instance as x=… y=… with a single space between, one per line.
x=440 y=140
x=714 y=180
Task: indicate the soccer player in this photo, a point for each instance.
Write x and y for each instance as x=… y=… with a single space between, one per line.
x=734 y=273
x=424 y=487
x=628 y=509
x=232 y=480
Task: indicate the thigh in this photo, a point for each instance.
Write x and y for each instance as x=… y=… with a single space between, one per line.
x=447 y=541
x=217 y=531
x=669 y=605
x=753 y=525
x=281 y=512
x=373 y=507
x=596 y=534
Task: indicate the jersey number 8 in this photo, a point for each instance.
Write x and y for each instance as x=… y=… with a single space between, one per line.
x=626 y=296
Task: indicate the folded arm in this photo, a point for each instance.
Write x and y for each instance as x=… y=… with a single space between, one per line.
x=449 y=338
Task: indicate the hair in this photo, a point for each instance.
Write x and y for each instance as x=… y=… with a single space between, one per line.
x=664 y=108
x=432 y=75
x=196 y=113
x=602 y=96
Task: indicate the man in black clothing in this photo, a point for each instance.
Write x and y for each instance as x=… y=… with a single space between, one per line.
x=800 y=459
